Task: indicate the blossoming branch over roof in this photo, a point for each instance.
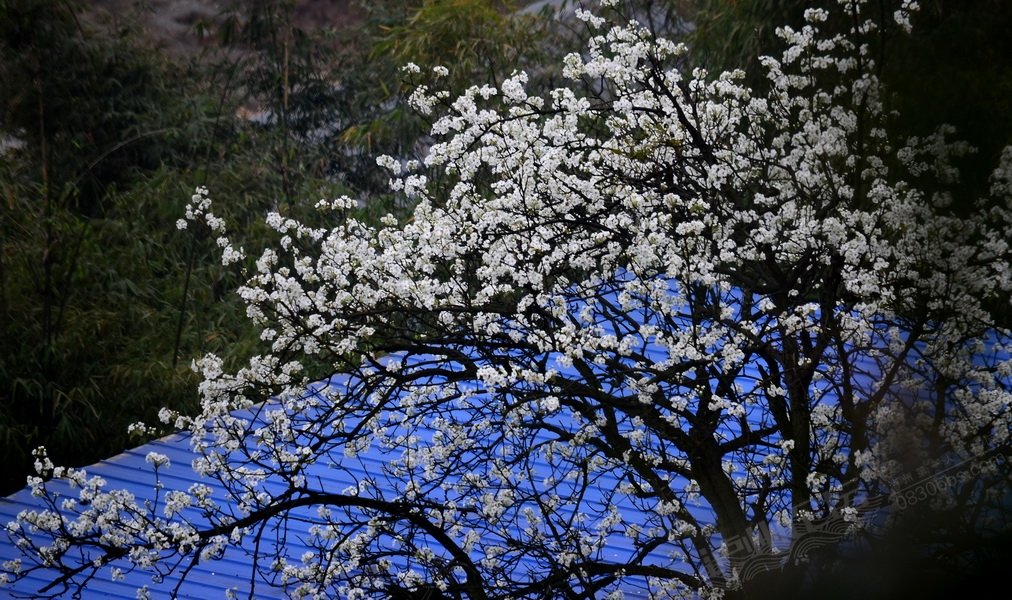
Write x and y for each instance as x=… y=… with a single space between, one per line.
x=382 y=471
x=239 y=569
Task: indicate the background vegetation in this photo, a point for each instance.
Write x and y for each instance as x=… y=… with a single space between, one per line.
x=103 y=302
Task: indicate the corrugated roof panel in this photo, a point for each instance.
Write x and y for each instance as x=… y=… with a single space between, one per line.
x=333 y=472
x=130 y=471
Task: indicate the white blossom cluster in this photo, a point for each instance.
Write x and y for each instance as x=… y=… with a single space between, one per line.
x=651 y=316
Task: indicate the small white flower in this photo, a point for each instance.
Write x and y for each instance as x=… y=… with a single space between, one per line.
x=156 y=459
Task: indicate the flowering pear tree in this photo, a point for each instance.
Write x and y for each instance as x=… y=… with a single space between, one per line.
x=653 y=310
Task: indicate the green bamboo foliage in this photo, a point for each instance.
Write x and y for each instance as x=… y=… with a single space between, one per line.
x=103 y=302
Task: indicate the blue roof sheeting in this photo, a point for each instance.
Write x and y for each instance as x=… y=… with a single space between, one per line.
x=246 y=568
x=234 y=570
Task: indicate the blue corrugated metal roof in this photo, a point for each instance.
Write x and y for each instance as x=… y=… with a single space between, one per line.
x=129 y=471
x=334 y=471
